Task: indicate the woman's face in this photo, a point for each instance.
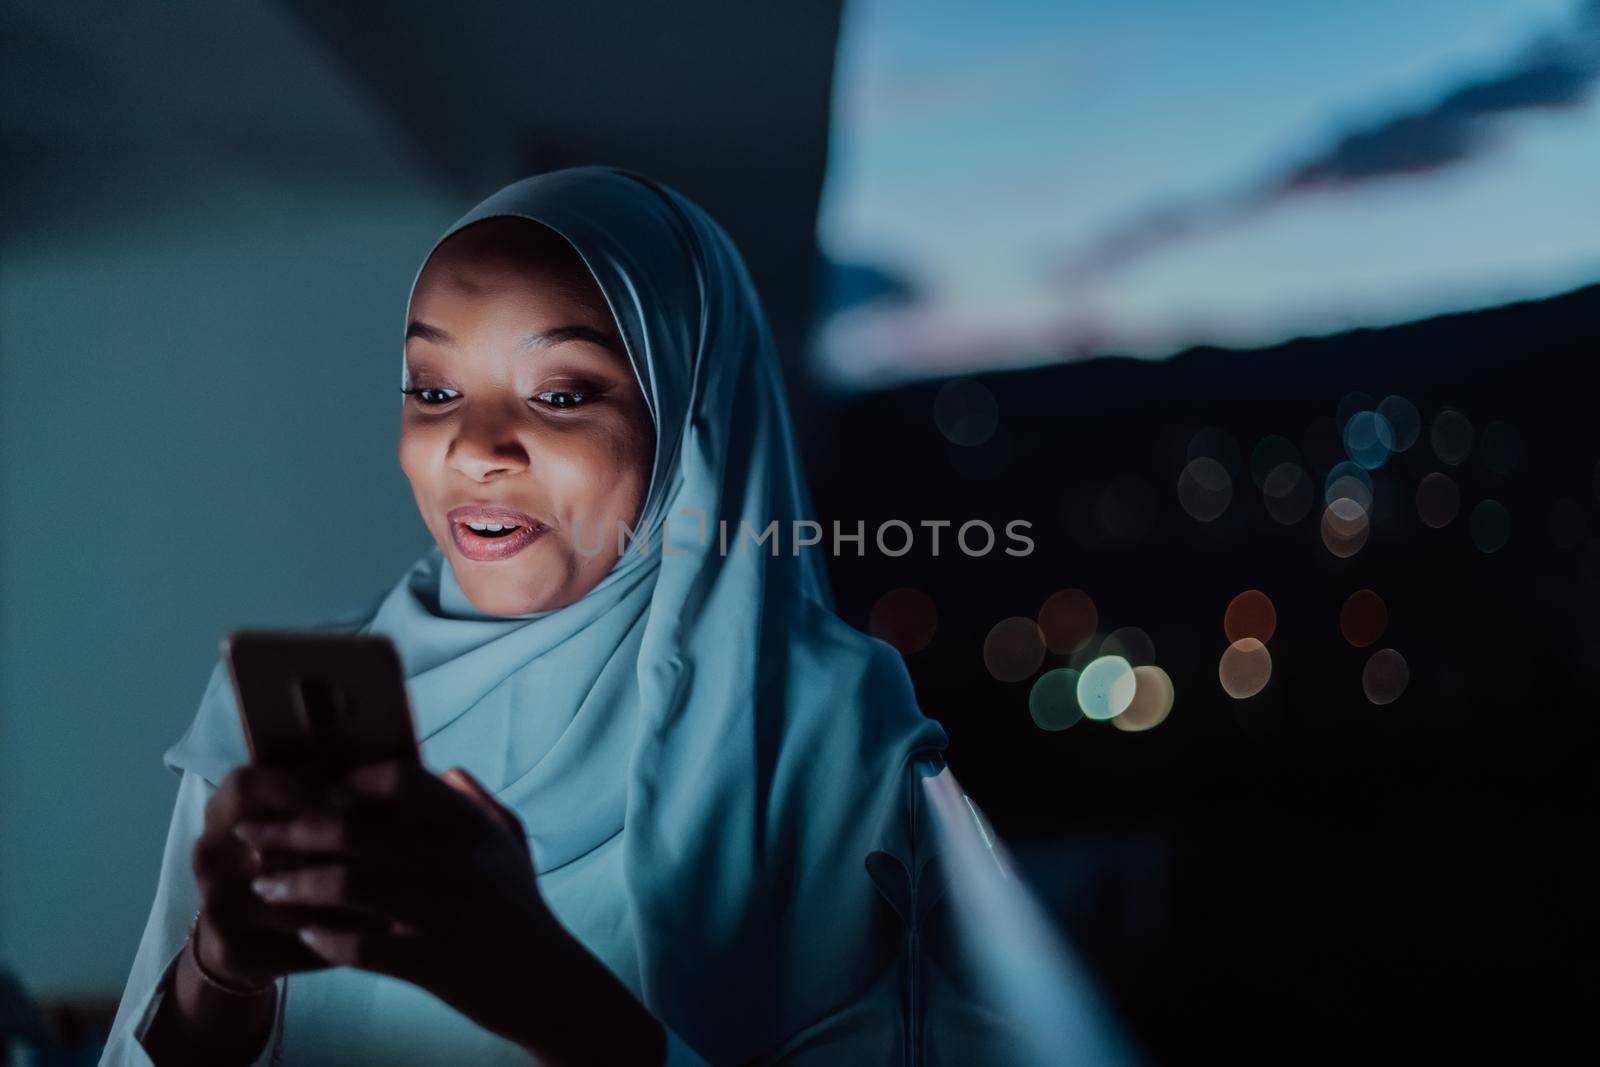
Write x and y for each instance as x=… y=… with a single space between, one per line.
x=522 y=412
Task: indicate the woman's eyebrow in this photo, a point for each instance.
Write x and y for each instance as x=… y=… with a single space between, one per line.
x=428 y=333
x=562 y=334
x=541 y=339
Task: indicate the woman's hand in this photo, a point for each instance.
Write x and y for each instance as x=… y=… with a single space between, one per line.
x=429 y=879
x=239 y=939
x=424 y=877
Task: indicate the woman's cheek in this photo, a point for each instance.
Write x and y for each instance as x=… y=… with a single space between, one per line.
x=624 y=472
x=418 y=451
x=584 y=468
x=630 y=456
x=413 y=451
x=418 y=442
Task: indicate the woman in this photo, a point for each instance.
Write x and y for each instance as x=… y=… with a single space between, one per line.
x=682 y=821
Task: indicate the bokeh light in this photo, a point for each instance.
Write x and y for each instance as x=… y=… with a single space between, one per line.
x=1490 y=524
x=1345 y=527
x=966 y=412
x=1014 y=649
x=1451 y=435
x=1368 y=439
x=1363 y=618
x=1287 y=493
x=1350 y=480
x=1250 y=614
x=1053 y=700
x=1438 y=500
x=1350 y=405
x=1385 y=676
x=1132 y=644
x=1245 y=669
x=1106 y=687
x=1500 y=446
x=1204 y=489
x=1218 y=444
x=906 y=618
x=1271 y=452
x=1152 y=700
x=1068 y=620
x=1404 y=420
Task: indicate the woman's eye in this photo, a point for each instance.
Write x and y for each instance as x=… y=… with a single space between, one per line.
x=432 y=396
x=562 y=399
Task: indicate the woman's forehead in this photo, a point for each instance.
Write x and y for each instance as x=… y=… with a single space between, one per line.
x=473 y=280
x=510 y=243
x=526 y=268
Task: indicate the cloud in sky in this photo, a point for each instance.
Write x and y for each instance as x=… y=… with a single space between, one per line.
x=1556 y=71
x=1143 y=198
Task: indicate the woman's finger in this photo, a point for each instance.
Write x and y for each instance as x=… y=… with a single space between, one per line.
x=389 y=893
x=322 y=831
x=386 y=781
x=380 y=951
x=462 y=781
x=231 y=947
x=362 y=829
x=253 y=790
x=216 y=856
x=222 y=867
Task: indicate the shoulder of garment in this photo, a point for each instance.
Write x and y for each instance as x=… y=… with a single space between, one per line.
x=929 y=1008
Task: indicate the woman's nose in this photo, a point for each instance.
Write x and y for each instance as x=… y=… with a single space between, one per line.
x=486 y=447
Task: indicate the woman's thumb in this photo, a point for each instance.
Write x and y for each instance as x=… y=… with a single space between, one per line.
x=462 y=781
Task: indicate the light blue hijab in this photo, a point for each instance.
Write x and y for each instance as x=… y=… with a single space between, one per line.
x=750 y=747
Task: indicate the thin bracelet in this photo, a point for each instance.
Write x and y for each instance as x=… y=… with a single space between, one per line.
x=211 y=980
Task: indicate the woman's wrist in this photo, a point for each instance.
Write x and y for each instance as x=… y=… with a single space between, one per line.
x=226 y=987
x=202 y=1018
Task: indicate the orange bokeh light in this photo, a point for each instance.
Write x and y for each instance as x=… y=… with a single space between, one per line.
x=1250 y=614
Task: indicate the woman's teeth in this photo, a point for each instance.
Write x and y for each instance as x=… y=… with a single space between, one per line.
x=490 y=527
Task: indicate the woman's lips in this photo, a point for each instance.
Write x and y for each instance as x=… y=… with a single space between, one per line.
x=519 y=530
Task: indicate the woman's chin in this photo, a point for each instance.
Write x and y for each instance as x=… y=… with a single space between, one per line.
x=497 y=588
x=496 y=602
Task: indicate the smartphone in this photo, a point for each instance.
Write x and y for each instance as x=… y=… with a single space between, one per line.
x=320 y=702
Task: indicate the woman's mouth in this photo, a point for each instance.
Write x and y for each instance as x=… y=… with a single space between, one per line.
x=486 y=532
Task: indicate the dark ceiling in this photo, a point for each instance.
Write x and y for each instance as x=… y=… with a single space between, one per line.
x=120 y=116
x=728 y=102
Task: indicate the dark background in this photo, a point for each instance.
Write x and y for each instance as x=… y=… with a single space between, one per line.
x=1303 y=873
